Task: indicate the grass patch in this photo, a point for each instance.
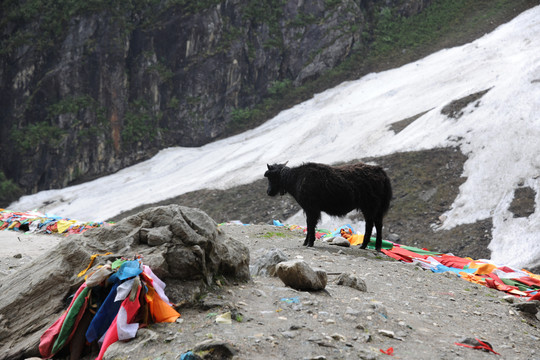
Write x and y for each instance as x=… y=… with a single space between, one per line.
x=273 y=234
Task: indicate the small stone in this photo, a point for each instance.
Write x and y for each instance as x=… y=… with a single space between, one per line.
x=366 y=338
x=387 y=333
x=401 y=334
x=509 y=298
x=365 y=354
x=339 y=241
x=220 y=349
x=260 y=293
x=530 y=307
x=338 y=337
x=352 y=280
x=17 y=256
x=265 y=262
x=393 y=237
x=288 y=334
x=352 y=312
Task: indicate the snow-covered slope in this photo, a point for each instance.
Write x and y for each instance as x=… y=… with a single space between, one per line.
x=500 y=134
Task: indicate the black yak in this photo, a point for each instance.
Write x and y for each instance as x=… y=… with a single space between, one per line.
x=336 y=190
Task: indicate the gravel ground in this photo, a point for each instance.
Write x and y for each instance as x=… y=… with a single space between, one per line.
x=417 y=313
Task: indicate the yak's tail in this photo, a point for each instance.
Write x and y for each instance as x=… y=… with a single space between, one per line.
x=387 y=195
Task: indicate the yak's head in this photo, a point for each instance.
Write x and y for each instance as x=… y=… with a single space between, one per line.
x=273 y=174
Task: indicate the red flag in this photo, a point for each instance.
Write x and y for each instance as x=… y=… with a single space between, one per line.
x=121 y=327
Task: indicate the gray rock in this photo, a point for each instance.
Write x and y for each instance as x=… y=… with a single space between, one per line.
x=156 y=236
x=509 y=298
x=299 y=275
x=351 y=280
x=265 y=264
x=352 y=312
x=393 y=237
x=288 y=334
x=340 y=241
x=219 y=348
x=529 y=307
x=122 y=349
x=387 y=333
x=365 y=354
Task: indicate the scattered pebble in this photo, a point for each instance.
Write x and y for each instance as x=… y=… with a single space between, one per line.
x=338 y=337
x=530 y=307
x=387 y=333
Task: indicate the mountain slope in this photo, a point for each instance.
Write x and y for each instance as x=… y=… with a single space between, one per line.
x=481 y=98
x=87 y=88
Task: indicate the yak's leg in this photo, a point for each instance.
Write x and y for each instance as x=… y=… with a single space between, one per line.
x=312 y=219
x=367 y=233
x=378 y=227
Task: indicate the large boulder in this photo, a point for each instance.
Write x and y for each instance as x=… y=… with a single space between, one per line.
x=183 y=246
x=300 y=276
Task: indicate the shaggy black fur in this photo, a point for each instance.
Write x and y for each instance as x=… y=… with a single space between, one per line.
x=336 y=191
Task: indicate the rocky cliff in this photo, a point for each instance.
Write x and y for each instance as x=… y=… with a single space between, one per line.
x=89 y=87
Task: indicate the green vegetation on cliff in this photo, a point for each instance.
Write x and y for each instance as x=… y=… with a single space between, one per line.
x=391 y=41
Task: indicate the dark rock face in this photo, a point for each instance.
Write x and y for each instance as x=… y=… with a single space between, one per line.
x=182 y=246
x=523 y=203
x=115 y=85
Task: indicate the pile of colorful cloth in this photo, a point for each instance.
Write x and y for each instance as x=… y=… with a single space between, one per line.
x=36 y=222
x=319 y=233
x=111 y=305
x=518 y=282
